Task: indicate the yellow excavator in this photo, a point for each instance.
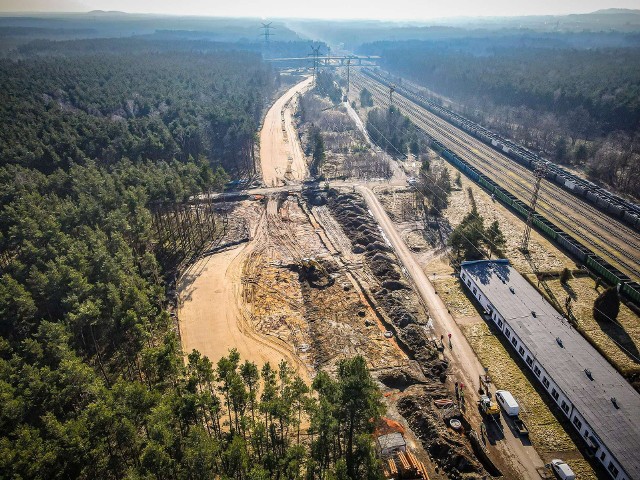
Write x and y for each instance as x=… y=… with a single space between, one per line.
x=312 y=271
x=489 y=408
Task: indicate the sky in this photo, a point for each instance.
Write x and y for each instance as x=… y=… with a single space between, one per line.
x=371 y=9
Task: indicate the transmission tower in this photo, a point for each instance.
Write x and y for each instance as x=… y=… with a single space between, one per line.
x=267 y=32
x=348 y=75
x=316 y=61
x=392 y=88
x=539 y=173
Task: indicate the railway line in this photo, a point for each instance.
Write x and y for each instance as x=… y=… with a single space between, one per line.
x=609 y=238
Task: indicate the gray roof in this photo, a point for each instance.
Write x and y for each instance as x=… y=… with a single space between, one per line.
x=618 y=429
x=391 y=441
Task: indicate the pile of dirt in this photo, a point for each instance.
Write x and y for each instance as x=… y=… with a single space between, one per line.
x=447 y=447
x=391 y=290
x=425 y=382
x=402 y=377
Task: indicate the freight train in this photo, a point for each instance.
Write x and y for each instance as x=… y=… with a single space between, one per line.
x=616 y=206
x=593 y=262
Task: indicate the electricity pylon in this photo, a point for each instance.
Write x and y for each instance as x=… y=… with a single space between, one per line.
x=316 y=61
x=539 y=173
x=267 y=32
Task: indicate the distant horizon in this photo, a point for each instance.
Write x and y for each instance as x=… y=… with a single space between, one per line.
x=331 y=10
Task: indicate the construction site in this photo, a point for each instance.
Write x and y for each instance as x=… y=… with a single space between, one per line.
x=335 y=256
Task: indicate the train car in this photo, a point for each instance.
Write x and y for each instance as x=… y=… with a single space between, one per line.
x=632 y=291
x=631 y=218
x=576 y=249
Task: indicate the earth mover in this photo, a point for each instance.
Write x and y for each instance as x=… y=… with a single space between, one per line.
x=489 y=408
x=312 y=271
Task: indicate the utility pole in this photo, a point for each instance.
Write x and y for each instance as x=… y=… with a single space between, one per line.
x=539 y=172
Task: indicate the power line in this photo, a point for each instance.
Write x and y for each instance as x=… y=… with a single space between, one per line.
x=482 y=234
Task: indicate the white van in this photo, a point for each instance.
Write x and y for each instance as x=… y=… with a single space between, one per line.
x=562 y=470
x=506 y=401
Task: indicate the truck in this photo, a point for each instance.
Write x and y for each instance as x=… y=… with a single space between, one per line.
x=507 y=402
x=562 y=470
x=488 y=408
x=521 y=427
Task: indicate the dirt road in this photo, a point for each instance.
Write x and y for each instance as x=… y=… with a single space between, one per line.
x=212 y=312
x=212 y=317
x=466 y=365
x=281 y=156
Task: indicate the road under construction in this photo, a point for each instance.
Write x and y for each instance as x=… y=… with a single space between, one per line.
x=273 y=307
x=312 y=274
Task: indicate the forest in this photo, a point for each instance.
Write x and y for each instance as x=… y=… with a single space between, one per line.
x=62 y=111
x=92 y=379
x=577 y=106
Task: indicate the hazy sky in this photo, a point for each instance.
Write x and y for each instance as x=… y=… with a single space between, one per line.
x=388 y=9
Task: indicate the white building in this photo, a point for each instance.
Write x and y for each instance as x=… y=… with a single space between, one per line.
x=597 y=400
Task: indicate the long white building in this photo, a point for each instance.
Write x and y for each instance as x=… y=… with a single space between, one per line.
x=596 y=399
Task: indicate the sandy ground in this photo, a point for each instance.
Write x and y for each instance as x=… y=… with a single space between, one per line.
x=212 y=312
x=212 y=320
x=281 y=156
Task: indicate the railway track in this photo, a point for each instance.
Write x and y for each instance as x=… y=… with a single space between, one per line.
x=612 y=240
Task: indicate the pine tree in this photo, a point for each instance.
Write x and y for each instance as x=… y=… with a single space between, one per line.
x=607 y=306
x=494 y=240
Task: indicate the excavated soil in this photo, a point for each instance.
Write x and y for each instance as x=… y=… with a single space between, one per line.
x=417 y=387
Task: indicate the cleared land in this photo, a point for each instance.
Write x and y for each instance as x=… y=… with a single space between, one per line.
x=281 y=157
x=374 y=278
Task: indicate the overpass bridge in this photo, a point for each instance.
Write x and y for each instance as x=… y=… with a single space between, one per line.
x=332 y=60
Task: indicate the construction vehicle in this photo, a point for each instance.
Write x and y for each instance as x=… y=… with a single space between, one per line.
x=485 y=382
x=312 y=271
x=489 y=408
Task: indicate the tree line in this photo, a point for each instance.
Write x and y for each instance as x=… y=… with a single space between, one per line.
x=394 y=132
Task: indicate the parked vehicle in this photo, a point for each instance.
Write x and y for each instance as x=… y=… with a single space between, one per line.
x=488 y=408
x=521 y=427
x=562 y=470
x=507 y=402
